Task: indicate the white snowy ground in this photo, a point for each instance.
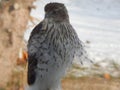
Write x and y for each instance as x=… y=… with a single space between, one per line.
x=97 y=21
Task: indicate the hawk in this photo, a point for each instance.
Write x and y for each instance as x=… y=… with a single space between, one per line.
x=52 y=46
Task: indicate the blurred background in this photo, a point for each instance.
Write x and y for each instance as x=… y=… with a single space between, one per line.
x=97 y=23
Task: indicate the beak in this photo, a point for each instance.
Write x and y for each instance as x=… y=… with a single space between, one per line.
x=46 y=15
x=44 y=24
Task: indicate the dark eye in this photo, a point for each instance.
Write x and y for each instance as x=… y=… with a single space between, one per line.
x=54 y=12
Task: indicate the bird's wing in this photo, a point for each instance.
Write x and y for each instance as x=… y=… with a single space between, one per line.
x=80 y=54
x=33 y=45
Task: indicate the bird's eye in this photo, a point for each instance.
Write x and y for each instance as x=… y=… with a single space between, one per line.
x=54 y=12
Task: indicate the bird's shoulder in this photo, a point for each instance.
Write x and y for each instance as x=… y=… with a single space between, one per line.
x=37 y=37
x=37 y=30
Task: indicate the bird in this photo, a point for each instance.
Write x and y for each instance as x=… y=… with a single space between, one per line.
x=52 y=47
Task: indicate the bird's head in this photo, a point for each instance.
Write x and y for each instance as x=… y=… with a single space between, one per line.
x=56 y=12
